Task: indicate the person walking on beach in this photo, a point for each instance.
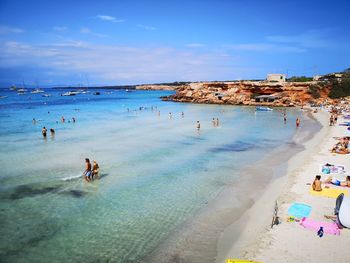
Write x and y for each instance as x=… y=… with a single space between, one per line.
x=44 y=131
x=95 y=169
x=87 y=172
x=297 y=122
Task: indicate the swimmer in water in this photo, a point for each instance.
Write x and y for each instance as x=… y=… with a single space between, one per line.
x=44 y=131
x=87 y=172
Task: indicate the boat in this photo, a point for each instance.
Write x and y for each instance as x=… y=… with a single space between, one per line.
x=263 y=109
x=21 y=90
x=37 y=91
x=70 y=93
x=97 y=93
x=46 y=95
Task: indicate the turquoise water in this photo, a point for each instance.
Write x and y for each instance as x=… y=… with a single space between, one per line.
x=156 y=171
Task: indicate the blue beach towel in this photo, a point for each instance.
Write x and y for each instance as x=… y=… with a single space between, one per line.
x=299 y=210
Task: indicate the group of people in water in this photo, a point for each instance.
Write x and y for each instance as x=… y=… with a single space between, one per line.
x=91 y=171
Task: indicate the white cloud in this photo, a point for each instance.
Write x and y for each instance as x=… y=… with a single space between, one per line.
x=109 y=18
x=309 y=39
x=60 y=28
x=146 y=27
x=88 y=31
x=118 y=64
x=195 y=45
x=263 y=47
x=4 y=30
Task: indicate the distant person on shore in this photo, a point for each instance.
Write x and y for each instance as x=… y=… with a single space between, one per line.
x=297 y=122
x=317 y=184
x=95 y=170
x=331 y=120
x=44 y=131
x=337 y=182
x=198 y=125
x=87 y=173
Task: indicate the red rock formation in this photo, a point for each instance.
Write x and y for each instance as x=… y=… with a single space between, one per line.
x=244 y=92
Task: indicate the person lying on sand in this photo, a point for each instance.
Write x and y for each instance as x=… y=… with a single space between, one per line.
x=337 y=182
x=317 y=184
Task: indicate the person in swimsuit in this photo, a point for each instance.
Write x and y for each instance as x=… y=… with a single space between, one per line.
x=317 y=184
x=198 y=126
x=87 y=172
x=95 y=169
x=44 y=131
x=297 y=122
x=338 y=182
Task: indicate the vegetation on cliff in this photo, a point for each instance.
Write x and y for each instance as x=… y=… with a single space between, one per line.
x=340 y=88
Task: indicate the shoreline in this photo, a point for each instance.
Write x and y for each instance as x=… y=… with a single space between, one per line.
x=256 y=221
x=196 y=240
x=289 y=242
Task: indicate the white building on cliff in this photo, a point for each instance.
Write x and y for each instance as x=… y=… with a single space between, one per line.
x=276 y=77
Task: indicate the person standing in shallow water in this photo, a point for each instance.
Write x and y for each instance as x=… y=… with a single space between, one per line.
x=198 y=126
x=297 y=122
x=87 y=172
x=95 y=170
x=44 y=131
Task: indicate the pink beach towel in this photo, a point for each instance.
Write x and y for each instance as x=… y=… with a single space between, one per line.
x=329 y=228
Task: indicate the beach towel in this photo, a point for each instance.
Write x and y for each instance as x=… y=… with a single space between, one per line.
x=328 y=227
x=329 y=192
x=299 y=210
x=234 y=260
x=336 y=169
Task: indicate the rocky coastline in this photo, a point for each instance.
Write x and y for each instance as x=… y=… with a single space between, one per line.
x=278 y=94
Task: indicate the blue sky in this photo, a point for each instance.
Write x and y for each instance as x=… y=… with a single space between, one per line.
x=131 y=42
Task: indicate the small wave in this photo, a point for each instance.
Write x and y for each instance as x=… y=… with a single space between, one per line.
x=70 y=178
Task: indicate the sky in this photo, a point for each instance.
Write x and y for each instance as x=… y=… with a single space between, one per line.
x=133 y=42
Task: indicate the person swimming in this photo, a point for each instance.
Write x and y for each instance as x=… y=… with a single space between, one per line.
x=87 y=173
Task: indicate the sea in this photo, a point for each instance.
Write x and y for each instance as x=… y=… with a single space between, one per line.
x=157 y=170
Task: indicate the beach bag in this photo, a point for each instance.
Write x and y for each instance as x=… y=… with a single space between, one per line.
x=326 y=170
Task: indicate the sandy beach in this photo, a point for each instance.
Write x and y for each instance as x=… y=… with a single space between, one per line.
x=288 y=241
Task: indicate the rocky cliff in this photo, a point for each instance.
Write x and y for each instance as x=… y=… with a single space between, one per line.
x=248 y=92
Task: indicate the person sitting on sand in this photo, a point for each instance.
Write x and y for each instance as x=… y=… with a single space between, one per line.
x=87 y=172
x=95 y=169
x=44 y=131
x=317 y=184
x=338 y=182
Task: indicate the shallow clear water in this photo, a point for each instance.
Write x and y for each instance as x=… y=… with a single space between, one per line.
x=156 y=172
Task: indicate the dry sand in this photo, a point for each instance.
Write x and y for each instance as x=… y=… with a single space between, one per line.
x=289 y=242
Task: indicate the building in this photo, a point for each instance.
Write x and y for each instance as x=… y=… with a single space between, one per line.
x=276 y=77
